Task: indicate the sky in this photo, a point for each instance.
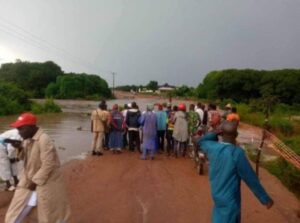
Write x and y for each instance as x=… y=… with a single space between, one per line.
x=170 y=41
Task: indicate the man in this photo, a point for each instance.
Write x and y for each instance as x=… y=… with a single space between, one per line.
x=41 y=177
x=226 y=112
x=227 y=166
x=161 y=123
x=99 y=119
x=193 y=120
x=233 y=116
x=132 y=121
x=180 y=132
x=149 y=124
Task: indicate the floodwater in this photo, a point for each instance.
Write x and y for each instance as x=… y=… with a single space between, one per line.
x=70 y=129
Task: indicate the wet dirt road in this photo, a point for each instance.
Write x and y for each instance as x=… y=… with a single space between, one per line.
x=124 y=189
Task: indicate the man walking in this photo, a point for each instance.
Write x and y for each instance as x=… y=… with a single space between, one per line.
x=41 y=183
x=227 y=166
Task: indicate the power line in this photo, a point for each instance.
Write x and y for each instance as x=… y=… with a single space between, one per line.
x=40 y=43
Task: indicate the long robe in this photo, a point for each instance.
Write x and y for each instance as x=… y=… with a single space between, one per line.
x=41 y=165
x=227 y=166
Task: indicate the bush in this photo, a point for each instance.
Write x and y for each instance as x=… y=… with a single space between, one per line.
x=48 y=107
x=13 y=100
x=286 y=173
x=281 y=125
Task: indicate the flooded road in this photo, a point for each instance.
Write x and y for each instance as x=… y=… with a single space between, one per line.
x=72 y=143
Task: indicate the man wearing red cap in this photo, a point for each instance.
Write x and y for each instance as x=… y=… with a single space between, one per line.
x=41 y=182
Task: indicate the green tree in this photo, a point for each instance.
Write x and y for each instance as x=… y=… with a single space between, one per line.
x=152 y=85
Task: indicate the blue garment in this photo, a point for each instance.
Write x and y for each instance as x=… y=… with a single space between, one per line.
x=227 y=166
x=148 y=121
x=116 y=133
x=161 y=120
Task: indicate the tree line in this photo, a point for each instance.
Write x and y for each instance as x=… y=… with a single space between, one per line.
x=22 y=80
x=47 y=79
x=244 y=85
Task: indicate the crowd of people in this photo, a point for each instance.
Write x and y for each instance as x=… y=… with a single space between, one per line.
x=41 y=185
x=161 y=128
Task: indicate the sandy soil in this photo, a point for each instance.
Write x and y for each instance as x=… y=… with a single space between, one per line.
x=122 y=188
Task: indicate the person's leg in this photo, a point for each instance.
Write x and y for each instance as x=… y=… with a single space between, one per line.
x=163 y=133
x=24 y=213
x=131 y=138
x=99 y=147
x=16 y=180
x=8 y=184
x=144 y=153
x=168 y=137
x=94 y=143
x=137 y=141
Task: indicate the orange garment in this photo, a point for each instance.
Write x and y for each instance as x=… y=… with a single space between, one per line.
x=233 y=117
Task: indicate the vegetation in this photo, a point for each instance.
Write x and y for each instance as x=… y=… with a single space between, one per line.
x=244 y=85
x=13 y=100
x=47 y=79
x=31 y=77
x=72 y=86
x=48 y=107
x=287 y=173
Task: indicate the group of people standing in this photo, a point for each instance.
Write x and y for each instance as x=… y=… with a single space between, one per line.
x=147 y=131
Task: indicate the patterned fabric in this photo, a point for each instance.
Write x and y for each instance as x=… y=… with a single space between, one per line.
x=193 y=121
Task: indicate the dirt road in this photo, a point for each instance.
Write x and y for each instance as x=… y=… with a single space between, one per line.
x=124 y=189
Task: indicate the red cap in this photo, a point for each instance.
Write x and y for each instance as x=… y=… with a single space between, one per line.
x=24 y=119
x=181 y=107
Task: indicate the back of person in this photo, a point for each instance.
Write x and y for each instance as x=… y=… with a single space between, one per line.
x=149 y=125
x=99 y=119
x=223 y=173
x=161 y=117
x=180 y=132
x=117 y=121
x=132 y=118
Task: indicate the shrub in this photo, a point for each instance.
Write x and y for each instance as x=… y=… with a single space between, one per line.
x=286 y=173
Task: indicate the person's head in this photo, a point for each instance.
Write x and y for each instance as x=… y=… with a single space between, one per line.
x=192 y=107
x=125 y=106
x=26 y=125
x=169 y=105
x=115 y=107
x=175 y=108
x=150 y=107
x=160 y=107
x=134 y=105
x=212 y=106
x=102 y=105
x=199 y=105
x=182 y=107
x=234 y=110
x=228 y=107
x=229 y=131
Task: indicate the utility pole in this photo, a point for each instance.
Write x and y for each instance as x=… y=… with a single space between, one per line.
x=113 y=87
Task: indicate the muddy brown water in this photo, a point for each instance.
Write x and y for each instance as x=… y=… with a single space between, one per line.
x=70 y=129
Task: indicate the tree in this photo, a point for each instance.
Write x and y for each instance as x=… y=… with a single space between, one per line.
x=152 y=85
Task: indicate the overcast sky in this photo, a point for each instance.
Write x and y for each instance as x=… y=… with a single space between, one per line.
x=173 y=41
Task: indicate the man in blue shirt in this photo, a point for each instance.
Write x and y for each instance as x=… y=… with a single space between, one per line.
x=227 y=166
x=161 y=123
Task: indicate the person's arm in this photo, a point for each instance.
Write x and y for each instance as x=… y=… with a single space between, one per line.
x=48 y=159
x=246 y=172
x=207 y=141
